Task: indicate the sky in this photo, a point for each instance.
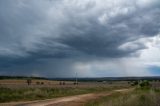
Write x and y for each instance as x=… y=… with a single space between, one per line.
x=93 y=38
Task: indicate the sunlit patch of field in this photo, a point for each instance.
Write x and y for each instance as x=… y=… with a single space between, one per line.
x=22 y=83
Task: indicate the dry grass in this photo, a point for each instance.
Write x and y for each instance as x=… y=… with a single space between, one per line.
x=25 y=94
x=138 y=97
x=18 y=90
x=18 y=84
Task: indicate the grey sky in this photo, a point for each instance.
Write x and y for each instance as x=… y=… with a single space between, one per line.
x=50 y=37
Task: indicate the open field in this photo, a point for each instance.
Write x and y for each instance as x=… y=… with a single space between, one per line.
x=19 y=90
x=90 y=93
x=75 y=100
x=56 y=84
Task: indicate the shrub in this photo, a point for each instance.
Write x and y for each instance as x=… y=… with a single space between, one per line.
x=144 y=83
x=38 y=83
x=134 y=83
x=29 y=81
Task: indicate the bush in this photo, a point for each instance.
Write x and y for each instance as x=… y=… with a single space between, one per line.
x=134 y=83
x=38 y=83
x=29 y=81
x=144 y=83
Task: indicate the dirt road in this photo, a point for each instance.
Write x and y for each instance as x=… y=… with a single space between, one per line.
x=77 y=100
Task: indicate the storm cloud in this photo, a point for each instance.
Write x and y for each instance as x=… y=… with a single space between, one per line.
x=50 y=37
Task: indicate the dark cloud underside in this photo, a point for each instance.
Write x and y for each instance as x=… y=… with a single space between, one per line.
x=61 y=30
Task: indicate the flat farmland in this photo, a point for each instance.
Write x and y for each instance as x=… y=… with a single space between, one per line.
x=16 y=92
x=12 y=83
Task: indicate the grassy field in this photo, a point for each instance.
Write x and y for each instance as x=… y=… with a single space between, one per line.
x=137 y=97
x=18 y=84
x=18 y=90
x=7 y=94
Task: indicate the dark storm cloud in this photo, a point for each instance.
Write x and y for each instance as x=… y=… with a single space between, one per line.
x=59 y=29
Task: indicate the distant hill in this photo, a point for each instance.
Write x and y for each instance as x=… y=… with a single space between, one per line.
x=19 y=77
x=110 y=78
x=99 y=79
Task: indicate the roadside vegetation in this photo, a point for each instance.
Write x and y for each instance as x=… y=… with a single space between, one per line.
x=142 y=95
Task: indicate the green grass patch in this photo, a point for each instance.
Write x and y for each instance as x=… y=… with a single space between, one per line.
x=24 y=94
x=137 y=97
